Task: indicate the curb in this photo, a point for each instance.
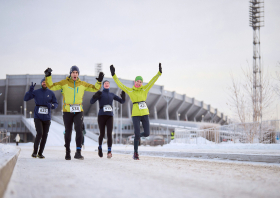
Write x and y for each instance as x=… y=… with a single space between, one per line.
x=220 y=156
x=6 y=173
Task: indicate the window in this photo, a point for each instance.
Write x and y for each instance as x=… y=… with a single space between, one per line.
x=128 y=127
x=125 y=127
x=95 y=126
x=88 y=126
x=9 y=124
x=18 y=124
x=14 y=124
x=1 y=124
x=91 y=126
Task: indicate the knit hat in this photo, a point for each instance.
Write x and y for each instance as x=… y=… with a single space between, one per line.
x=74 y=68
x=139 y=78
x=105 y=81
x=42 y=80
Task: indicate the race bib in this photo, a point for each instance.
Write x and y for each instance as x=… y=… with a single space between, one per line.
x=75 y=108
x=43 y=110
x=142 y=105
x=107 y=108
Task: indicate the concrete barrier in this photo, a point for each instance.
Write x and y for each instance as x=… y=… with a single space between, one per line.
x=7 y=165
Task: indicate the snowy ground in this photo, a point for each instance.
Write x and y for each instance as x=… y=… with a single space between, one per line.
x=7 y=152
x=149 y=177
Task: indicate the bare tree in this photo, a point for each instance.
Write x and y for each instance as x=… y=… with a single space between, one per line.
x=247 y=108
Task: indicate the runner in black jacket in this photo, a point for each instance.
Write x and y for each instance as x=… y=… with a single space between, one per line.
x=105 y=115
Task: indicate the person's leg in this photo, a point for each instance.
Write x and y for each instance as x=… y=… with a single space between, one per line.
x=109 y=124
x=146 y=125
x=46 y=127
x=136 y=125
x=39 y=130
x=68 y=124
x=101 y=124
x=78 y=122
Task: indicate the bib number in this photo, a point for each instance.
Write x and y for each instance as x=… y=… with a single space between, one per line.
x=75 y=108
x=43 y=110
x=107 y=108
x=142 y=105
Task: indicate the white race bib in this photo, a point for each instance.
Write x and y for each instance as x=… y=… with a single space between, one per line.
x=142 y=105
x=75 y=108
x=43 y=110
x=107 y=108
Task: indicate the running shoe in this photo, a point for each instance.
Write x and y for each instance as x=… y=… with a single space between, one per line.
x=135 y=156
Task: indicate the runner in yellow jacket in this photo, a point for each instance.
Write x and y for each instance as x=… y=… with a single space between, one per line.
x=140 y=112
x=72 y=89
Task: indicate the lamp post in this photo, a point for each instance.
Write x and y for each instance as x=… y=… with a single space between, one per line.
x=30 y=119
x=202 y=119
x=20 y=110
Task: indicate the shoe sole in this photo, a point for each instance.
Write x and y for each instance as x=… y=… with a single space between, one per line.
x=33 y=157
x=79 y=158
x=109 y=156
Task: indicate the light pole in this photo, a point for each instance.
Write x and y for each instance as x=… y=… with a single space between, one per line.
x=20 y=110
x=30 y=119
x=202 y=119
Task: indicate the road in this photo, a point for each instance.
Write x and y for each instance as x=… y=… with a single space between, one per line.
x=149 y=177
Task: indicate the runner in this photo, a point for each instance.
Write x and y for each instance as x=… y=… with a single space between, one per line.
x=72 y=89
x=45 y=100
x=140 y=112
x=105 y=115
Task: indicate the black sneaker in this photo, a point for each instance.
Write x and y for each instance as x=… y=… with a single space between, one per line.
x=68 y=156
x=135 y=156
x=78 y=155
x=40 y=156
x=34 y=155
x=100 y=154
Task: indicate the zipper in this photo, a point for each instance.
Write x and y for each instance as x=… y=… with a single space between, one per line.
x=74 y=92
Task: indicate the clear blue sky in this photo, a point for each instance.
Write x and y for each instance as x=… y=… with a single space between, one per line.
x=198 y=42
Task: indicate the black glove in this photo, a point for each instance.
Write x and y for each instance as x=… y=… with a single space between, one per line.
x=123 y=95
x=32 y=87
x=112 y=69
x=97 y=95
x=48 y=72
x=160 y=69
x=100 y=77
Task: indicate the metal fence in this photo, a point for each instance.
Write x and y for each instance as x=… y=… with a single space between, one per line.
x=4 y=136
x=267 y=132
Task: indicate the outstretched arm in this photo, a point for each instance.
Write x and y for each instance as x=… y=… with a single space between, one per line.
x=29 y=95
x=118 y=82
x=122 y=99
x=49 y=83
x=150 y=84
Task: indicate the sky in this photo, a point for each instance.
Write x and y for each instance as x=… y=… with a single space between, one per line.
x=197 y=42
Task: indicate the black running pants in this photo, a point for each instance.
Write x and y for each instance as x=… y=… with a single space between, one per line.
x=105 y=120
x=42 y=128
x=69 y=119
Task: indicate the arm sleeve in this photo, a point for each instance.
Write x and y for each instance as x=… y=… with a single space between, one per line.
x=120 y=100
x=54 y=102
x=53 y=86
x=92 y=88
x=150 y=84
x=122 y=86
x=93 y=100
x=28 y=96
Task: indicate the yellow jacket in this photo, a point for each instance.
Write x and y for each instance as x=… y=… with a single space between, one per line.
x=72 y=91
x=137 y=94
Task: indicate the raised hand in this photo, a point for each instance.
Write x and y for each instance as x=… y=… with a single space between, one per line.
x=48 y=72
x=112 y=69
x=100 y=77
x=97 y=95
x=32 y=87
x=122 y=95
x=160 y=69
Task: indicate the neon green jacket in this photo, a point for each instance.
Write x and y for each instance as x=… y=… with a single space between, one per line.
x=137 y=94
x=72 y=91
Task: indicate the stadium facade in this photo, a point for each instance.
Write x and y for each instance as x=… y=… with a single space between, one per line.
x=168 y=110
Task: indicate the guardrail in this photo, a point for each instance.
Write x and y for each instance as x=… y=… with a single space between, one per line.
x=5 y=136
x=266 y=132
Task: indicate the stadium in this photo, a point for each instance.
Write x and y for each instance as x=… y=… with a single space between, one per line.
x=168 y=110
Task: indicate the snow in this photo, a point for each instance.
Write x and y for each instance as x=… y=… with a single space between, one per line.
x=150 y=177
x=6 y=153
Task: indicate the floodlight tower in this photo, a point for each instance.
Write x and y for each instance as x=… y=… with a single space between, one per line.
x=256 y=22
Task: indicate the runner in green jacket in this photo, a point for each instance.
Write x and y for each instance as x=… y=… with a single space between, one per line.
x=140 y=112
